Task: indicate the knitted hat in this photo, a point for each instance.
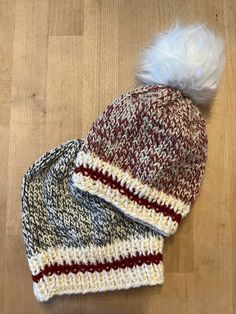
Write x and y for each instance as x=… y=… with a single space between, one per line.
x=77 y=242
x=146 y=153
x=97 y=223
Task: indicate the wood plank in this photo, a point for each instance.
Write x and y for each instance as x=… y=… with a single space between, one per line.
x=66 y=17
x=26 y=139
x=7 y=13
x=100 y=71
x=64 y=89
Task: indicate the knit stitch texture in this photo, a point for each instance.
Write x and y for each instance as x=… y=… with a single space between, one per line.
x=77 y=242
x=146 y=155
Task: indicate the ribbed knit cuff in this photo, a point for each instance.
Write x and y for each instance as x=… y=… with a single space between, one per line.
x=137 y=200
x=120 y=265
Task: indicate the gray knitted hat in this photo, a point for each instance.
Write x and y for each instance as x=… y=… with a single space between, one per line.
x=78 y=243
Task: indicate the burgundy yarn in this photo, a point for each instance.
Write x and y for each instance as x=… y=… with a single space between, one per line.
x=123 y=262
x=107 y=179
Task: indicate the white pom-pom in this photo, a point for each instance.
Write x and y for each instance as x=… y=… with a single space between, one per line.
x=189 y=58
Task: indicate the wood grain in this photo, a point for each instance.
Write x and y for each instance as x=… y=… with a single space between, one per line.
x=61 y=64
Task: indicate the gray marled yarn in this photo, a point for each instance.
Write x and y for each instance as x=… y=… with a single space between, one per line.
x=54 y=214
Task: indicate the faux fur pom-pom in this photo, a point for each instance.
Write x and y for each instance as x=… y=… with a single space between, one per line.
x=189 y=58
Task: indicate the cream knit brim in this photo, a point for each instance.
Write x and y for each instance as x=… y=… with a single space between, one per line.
x=98 y=282
x=51 y=278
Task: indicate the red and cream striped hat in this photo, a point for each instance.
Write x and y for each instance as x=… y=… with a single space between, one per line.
x=146 y=153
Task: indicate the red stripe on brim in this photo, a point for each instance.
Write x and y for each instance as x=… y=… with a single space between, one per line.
x=125 y=262
x=108 y=180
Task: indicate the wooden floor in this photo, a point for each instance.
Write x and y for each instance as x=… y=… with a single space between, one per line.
x=61 y=62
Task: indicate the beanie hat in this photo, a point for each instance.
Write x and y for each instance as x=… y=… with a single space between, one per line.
x=78 y=243
x=95 y=212
x=146 y=153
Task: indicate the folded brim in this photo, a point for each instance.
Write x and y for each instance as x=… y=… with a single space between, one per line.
x=121 y=265
x=154 y=208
